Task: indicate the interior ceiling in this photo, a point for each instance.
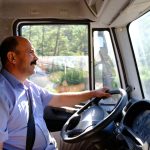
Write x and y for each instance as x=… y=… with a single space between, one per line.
x=37 y=1
x=117 y=13
x=109 y=12
x=132 y=11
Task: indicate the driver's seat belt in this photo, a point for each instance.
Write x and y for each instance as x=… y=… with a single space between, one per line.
x=31 y=124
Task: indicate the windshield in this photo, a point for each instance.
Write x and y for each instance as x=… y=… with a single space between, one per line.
x=140 y=36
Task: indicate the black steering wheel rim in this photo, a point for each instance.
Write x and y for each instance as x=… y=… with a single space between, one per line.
x=100 y=125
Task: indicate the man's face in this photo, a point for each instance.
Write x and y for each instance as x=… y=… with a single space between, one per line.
x=25 y=57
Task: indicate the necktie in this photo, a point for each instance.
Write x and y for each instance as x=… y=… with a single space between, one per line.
x=31 y=124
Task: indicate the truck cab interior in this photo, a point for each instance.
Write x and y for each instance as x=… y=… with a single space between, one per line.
x=86 y=45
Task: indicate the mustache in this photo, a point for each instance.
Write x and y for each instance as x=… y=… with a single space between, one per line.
x=33 y=62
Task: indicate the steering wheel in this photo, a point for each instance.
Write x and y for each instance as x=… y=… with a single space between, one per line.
x=91 y=118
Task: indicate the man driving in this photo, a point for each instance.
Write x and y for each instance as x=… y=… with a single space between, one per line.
x=18 y=62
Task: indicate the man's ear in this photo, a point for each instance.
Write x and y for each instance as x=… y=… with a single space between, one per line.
x=11 y=56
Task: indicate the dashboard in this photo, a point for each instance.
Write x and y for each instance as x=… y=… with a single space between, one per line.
x=135 y=126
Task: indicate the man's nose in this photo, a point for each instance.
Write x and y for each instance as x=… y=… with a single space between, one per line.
x=35 y=56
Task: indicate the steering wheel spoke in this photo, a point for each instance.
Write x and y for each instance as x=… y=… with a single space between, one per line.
x=91 y=118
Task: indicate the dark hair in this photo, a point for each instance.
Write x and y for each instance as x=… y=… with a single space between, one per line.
x=8 y=44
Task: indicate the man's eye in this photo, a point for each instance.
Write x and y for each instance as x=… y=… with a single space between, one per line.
x=31 y=52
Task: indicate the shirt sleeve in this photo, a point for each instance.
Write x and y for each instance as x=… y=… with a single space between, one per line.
x=45 y=96
x=4 y=115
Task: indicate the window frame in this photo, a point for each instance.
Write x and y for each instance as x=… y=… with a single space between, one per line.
x=115 y=54
x=134 y=57
x=19 y=23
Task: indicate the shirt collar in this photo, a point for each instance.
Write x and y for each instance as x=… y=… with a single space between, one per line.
x=12 y=79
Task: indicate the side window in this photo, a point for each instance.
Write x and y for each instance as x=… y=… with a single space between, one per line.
x=62 y=50
x=139 y=31
x=105 y=68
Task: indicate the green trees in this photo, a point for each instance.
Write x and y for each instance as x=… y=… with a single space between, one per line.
x=62 y=51
x=58 y=40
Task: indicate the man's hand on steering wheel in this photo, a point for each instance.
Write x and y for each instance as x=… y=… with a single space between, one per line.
x=102 y=93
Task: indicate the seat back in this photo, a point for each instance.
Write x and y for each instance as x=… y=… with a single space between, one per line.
x=0 y=64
